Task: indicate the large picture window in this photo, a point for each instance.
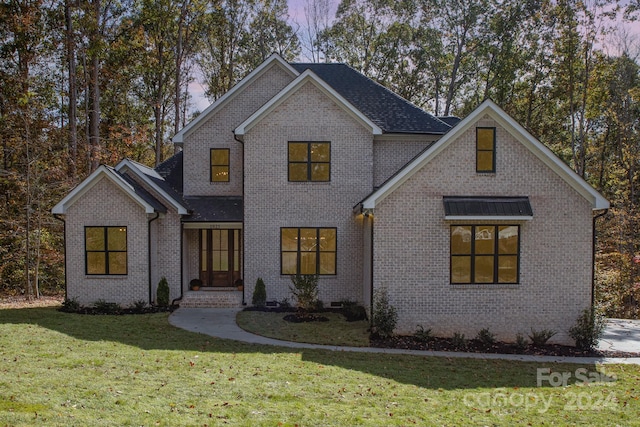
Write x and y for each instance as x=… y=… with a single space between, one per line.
x=485 y=149
x=309 y=161
x=219 y=165
x=485 y=253
x=308 y=251
x=106 y=250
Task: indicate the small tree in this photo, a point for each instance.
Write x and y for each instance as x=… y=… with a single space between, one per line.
x=259 y=298
x=162 y=294
x=305 y=290
x=384 y=316
x=588 y=329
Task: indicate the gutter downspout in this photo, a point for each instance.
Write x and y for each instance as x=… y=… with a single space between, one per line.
x=593 y=258
x=64 y=252
x=371 y=262
x=149 y=253
x=181 y=264
x=243 y=248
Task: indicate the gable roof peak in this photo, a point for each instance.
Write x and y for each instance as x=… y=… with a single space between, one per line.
x=135 y=192
x=307 y=76
x=272 y=60
x=490 y=108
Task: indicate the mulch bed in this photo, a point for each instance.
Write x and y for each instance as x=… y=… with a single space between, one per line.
x=476 y=346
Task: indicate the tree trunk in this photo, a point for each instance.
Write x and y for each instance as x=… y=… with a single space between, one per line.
x=94 y=96
x=71 y=63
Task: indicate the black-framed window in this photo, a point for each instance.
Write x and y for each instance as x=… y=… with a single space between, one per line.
x=309 y=161
x=219 y=165
x=486 y=149
x=485 y=254
x=105 y=250
x=308 y=250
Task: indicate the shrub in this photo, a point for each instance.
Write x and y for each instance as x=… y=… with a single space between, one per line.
x=259 y=298
x=305 y=291
x=352 y=311
x=588 y=329
x=162 y=294
x=521 y=342
x=422 y=334
x=139 y=305
x=104 y=307
x=70 y=305
x=486 y=337
x=459 y=341
x=284 y=303
x=384 y=316
x=541 y=337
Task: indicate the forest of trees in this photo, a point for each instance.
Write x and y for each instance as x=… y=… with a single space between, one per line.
x=88 y=82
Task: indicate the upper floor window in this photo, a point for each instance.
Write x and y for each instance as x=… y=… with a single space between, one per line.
x=308 y=251
x=106 y=250
x=219 y=165
x=309 y=161
x=485 y=254
x=485 y=149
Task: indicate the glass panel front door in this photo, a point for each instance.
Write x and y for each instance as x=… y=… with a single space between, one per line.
x=220 y=257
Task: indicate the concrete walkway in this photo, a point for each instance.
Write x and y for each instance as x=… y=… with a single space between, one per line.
x=620 y=335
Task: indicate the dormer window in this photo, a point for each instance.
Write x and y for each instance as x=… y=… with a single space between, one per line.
x=309 y=161
x=485 y=150
x=219 y=165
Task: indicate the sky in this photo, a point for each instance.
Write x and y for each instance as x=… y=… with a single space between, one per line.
x=297 y=17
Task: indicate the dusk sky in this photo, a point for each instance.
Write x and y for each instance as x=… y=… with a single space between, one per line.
x=297 y=18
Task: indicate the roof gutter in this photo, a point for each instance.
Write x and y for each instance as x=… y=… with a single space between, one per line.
x=64 y=252
x=593 y=258
x=149 y=255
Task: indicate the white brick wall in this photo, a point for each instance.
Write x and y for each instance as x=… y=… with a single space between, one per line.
x=411 y=247
x=217 y=132
x=271 y=202
x=107 y=205
x=392 y=153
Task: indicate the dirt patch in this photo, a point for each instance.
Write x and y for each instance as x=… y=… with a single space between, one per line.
x=15 y=302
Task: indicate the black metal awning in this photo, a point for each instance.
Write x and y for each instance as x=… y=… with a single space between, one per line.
x=467 y=207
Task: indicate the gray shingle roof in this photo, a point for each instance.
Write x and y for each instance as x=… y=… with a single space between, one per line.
x=487 y=206
x=203 y=209
x=390 y=112
x=215 y=209
x=148 y=197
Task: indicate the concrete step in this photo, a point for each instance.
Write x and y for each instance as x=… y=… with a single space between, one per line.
x=212 y=298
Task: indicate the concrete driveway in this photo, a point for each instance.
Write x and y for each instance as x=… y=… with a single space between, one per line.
x=621 y=335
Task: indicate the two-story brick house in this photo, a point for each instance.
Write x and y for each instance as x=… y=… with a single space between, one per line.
x=313 y=168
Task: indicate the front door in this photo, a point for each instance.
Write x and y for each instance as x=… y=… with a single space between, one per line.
x=219 y=257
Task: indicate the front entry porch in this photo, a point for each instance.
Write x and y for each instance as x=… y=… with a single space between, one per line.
x=213 y=254
x=220 y=256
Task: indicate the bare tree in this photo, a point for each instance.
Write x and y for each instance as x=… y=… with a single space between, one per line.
x=317 y=14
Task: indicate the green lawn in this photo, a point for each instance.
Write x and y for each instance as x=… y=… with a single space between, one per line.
x=68 y=369
x=335 y=332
